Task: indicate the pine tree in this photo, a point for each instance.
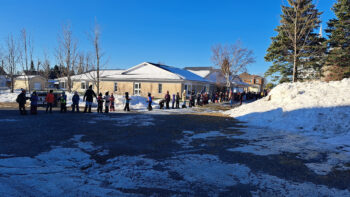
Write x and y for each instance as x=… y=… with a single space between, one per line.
x=338 y=59
x=297 y=51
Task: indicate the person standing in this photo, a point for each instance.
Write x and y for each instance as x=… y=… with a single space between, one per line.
x=184 y=99
x=149 y=100
x=50 y=98
x=63 y=102
x=75 y=100
x=173 y=102
x=107 y=101
x=167 y=99
x=112 y=100
x=127 y=101
x=89 y=96
x=99 y=103
x=34 y=103
x=232 y=98
x=22 y=100
x=177 y=100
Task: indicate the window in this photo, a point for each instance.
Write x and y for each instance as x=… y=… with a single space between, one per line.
x=189 y=89
x=83 y=85
x=115 y=87
x=160 y=87
x=137 y=88
x=63 y=85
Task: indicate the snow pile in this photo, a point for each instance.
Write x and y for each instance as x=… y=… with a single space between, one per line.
x=316 y=107
x=8 y=97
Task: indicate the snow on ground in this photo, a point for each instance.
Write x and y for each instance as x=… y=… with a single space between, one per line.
x=311 y=119
x=7 y=97
x=72 y=172
x=317 y=107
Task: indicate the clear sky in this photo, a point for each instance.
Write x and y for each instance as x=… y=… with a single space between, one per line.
x=175 y=32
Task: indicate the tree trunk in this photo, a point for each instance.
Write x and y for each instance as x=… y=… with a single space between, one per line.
x=295 y=74
x=12 y=83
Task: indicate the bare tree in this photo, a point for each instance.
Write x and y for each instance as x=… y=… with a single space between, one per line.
x=45 y=66
x=232 y=59
x=98 y=64
x=66 y=53
x=12 y=58
x=26 y=47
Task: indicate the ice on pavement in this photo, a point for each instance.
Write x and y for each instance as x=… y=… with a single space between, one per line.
x=72 y=171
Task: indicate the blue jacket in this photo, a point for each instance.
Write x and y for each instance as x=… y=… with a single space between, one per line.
x=75 y=99
x=34 y=100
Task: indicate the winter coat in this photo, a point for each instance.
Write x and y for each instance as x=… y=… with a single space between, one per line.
x=127 y=99
x=100 y=100
x=150 y=99
x=50 y=98
x=63 y=99
x=184 y=96
x=112 y=99
x=167 y=97
x=177 y=98
x=21 y=99
x=107 y=99
x=173 y=98
x=89 y=95
x=76 y=99
x=34 y=100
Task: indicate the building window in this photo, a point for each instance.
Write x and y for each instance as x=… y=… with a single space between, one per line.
x=257 y=80
x=160 y=87
x=63 y=85
x=115 y=87
x=137 y=88
x=83 y=85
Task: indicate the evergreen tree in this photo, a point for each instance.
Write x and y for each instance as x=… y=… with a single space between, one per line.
x=296 y=51
x=338 y=59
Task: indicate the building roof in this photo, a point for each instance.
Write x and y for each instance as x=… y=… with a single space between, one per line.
x=91 y=75
x=156 y=72
x=27 y=77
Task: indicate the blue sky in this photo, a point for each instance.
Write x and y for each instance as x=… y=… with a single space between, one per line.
x=175 y=32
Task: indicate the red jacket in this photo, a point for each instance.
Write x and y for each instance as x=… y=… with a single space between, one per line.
x=50 y=98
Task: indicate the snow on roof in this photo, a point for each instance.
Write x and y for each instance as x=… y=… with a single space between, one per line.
x=27 y=76
x=156 y=72
x=184 y=74
x=202 y=73
x=91 y=75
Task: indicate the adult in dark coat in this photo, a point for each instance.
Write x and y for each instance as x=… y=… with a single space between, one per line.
x=167 y=99
x=89 y=98
x=177 y=100
x=22 y=100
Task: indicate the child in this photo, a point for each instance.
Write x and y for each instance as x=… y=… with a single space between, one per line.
x=50 y=98
x=34 y=103
x=21 y=100
x=177 y=100
x=167 y=99
x=107 y=100
x=63 y=101
x=112 y=99
x=173 y=102
x=127 y=101
x=99 y=103
x=75 y=100
x=149 y=100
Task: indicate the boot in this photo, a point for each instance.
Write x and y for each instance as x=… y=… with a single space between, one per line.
x=89 y=108
x=85 y=108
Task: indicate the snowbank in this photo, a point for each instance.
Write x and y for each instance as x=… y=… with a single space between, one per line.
x=316 y=107
x=7 y=97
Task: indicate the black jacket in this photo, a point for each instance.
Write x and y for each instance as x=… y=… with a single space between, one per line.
x=22 y=99
x=89 y=95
